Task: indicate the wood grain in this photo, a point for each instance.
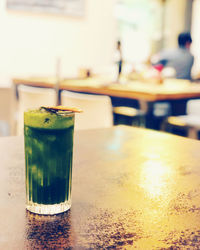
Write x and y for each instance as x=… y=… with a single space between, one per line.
x=139 y=91
x=132 y=188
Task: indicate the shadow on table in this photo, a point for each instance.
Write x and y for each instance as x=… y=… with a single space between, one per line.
x=43 y=231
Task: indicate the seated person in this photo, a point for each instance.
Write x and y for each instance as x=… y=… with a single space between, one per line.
x=180 y=59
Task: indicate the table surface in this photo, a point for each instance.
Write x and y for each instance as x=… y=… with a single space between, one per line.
x=131 y=188
x=171 y=89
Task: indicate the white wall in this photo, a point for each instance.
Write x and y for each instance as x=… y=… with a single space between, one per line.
x=175 y=21
x=31 y=43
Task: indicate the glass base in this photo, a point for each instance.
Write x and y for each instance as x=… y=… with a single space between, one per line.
x=48 y=209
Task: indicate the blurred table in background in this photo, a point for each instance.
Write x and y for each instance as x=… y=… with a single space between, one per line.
x=132 y=188
x=128 y=93
x=172 y=89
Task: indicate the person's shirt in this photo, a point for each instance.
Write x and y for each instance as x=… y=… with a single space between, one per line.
x=180 y=59
x=118 y=56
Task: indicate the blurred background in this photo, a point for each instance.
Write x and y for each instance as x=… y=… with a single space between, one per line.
x=115 y=39
x=32 y=41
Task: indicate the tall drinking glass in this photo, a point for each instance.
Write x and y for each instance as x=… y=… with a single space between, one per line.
x=48 y=140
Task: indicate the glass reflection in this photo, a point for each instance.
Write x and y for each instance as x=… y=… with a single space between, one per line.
x=154 y=177
x=116 y=143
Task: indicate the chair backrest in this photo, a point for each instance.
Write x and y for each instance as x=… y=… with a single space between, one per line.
x=97 y=109
x=193 y=107
x=6 y=101
x=31 y=98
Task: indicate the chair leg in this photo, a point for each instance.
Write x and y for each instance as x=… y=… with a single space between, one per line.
x=165 y=126
x=142 y=122
x=192 y=133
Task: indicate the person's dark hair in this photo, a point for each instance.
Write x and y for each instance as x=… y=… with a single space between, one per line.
x=184 y=38
x=118 y=43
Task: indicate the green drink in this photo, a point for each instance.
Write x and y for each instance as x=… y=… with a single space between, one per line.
x=48 y=154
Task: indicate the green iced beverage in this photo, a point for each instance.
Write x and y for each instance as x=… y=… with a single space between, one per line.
x=48 y=154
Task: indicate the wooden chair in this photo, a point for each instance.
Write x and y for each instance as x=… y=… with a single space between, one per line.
x=97 y=109
x=129 y=116
x=6 y=110
x=187 y=125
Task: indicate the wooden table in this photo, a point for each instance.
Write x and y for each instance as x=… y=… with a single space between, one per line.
x=131 y=93
x=135 y=94
x=170 y=90
x=132 y=188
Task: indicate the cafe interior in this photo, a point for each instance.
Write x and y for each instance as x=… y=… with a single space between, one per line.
x=136 y=140
x=77 y=52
